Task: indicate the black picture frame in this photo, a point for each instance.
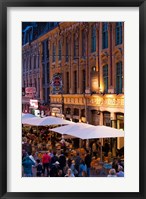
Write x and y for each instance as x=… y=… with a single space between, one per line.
x=4 y=4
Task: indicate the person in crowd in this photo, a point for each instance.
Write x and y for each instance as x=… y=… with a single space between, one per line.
x=60 y=173
x=62 y=160
x=69 y=173
x=46 y=160
x=121 y=172
x=27 y=146
x=39 y=168
x=106 y=148
x=88 y=162
x=54 y=169
x=31 y=157
x=115 y=164
x=77 y=161
x=82 y=167
x=73 y=169
x=27 y=166
x=84 y=174
x=24 y=153
x=54 y=158
x=112 y=173
x=94 y=149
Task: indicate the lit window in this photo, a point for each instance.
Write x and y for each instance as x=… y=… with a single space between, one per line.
x=105 y=78
x=119 y=78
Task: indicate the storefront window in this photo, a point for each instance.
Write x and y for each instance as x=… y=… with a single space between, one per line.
x=106 y=119
x=120 y=121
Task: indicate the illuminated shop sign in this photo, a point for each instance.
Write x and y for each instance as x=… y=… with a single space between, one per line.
x=33 y=104
x=56 y=84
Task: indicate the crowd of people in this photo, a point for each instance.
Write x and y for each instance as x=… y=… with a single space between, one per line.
x=48 y=155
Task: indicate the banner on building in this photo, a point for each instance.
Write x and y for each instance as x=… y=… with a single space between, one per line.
x=56 y=84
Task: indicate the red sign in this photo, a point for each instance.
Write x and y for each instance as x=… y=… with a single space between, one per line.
x=30 y=92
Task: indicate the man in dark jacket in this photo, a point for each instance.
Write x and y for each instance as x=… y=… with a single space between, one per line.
x=88 y=162
x=62 y=161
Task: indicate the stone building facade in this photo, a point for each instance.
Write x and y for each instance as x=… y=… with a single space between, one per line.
x=84 y=67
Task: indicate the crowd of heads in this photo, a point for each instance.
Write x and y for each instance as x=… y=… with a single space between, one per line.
x=42 y=157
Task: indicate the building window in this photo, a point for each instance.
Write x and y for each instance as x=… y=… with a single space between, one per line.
x=35 y=84
x=30 y=63
x=76 y=111
x=44 y=72
x=68 y=111
x=48 y=73
x=47 y=49
x=105 y=78
x=119 y=77
x=59 y=50
x=44 y=94
x=75 y=81
x=105 y=35
x=76 y=46
x=34 y=65
x=93 y=39
x=67 y=50
x=118 y=33
x=84 y=80
x=83 y=44
x=38 y=61
x=53 y=58
x=106 y=119
x=67 y=82
x=83 y=113
x=30 y=83
x=26 y=64
x=43 y=51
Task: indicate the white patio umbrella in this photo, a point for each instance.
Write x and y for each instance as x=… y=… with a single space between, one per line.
x=27 y=115
x=97 y=132
x=71 y=128
x=87 y=131
x=46 y=121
